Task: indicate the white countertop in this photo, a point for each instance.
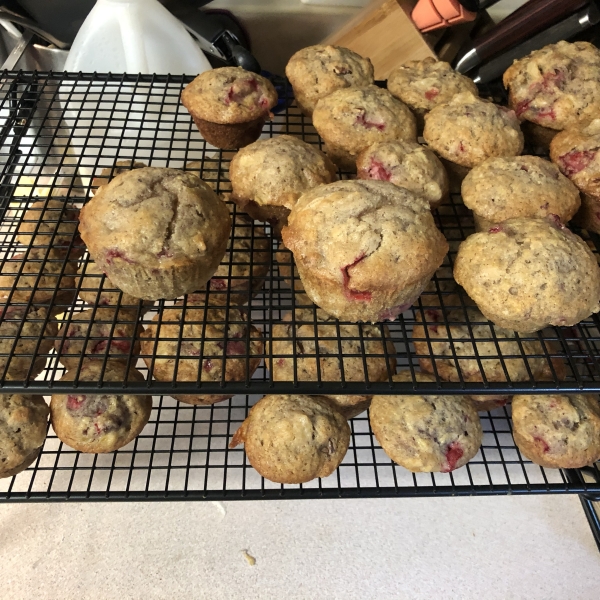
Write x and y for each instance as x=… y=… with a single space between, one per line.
x=495 y=547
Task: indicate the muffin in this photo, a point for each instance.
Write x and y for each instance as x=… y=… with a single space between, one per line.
x=352 y=119
x=103 y=333
x=121 y=166
x=408 y=165
x=588 y=216
x=268 y=177
x=426 y=433
x=25 y=336
x=156 y=233
x=94 y=287
x=305 y=332
x=448 y=342
x=467 y=130
x=424 y=84
x=98 y=423
x=214 y=347
x=23 y=425
x=560 y=432
x=576 y=152
x=229 y=105
x=365 y=250
x=526 y=274
x=520 y=186
x=556 y=87
x=293 y=439
x=51 y=223
x=39 y=274
x=317 y=71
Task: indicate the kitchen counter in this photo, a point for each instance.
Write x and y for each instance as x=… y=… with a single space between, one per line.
x=496 y=547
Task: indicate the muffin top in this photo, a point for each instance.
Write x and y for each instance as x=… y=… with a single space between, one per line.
x=154 y=215
x=317 y=71
x=557 y=86
x=408 y=165
x=23 y=423
x=519 y=186
x=576 y=152
x=293 y=439
x=355 y=118
x=525 y=274
x=467 y=130
x=278 y=170
x=229 y=95
x=423 y=84
x=557 y=431
x=426 y=433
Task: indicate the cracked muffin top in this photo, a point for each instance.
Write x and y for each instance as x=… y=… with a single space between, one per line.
x=526 y=274
x=467 y=130
x=317 y=71
x=577 y=154
x=423 y=84
x=229 y=95
x=557 y=86
x=520 y=186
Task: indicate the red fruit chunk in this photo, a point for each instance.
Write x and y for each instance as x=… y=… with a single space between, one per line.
x=431 y=94
x=280 y=362
x=522 y=107
x=576 y=161
x=218 y=284
x=75 y=402
x=461 y=147
x=240 y=90
x=546 y=113
x=349 y=292
x=368 y=123
x=98 y=430
x=208 y=365
x=495 y=229
x=556 y=78
x=453 y=454
x=378 y=171
x=122 y=345
x=164 y=253
x=542 y=443
x=115 y=253
x=236 y=348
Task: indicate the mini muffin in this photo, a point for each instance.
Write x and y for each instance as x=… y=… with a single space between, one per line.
x=588 y=216
x=213 y=341
x=426 y=433
x=39 y=274
x=51 y=223
x=424 y=84
x=23 y=425
x=269 y=176
x=365 y=250
x=577 y=154
x=352 y=119
x=121 y=166
x=96 y=288
x=467 y=130
x=97 y=334
x=98 y=423
x=560 y=432
x=493 y=347
x=556 y=87
x=156 y=233
x=293 y=439
x=520 y=186
x=526 y=274
x=229 y=105
x=306 y=333
x=408 y=165
x=317 y=71
x=25 y=336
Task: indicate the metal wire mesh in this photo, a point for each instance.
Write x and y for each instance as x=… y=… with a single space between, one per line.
x=61 y=137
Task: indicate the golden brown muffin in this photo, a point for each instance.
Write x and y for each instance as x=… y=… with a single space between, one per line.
x=317 y=71
x=426 y=433
x=109 y=173
x=98 y=333
x=526 y=274
x=229 y=105
x=557 y=431
x=213 y=341
x=23 y=425
x=268 y=177
x=365 y=250
x=556 y=87
x=305 y=332
x=98 y=423
x=156 y=233
x=408 y=165
x=352 y=119
x=293 y=439
x=519 y=186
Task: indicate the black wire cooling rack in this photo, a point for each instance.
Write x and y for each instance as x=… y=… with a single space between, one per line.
x=61 y=137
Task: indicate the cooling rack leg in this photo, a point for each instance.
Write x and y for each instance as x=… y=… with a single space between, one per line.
x=589 y=508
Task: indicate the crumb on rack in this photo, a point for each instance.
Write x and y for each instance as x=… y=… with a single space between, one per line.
x=249 y=558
